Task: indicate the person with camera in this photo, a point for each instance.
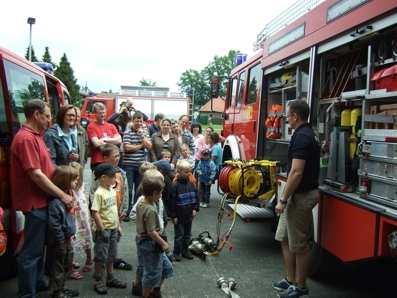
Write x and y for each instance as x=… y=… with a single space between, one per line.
x=60 y=139
x=123 y=118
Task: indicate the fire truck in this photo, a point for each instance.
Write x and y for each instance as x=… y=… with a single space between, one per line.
x=341 y=57
x=20 y=80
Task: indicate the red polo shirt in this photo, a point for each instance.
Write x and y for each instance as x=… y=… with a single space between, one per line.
x=28 y=152
x=99 y=130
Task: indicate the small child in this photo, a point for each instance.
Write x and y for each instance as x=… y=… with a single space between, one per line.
x=166 y=155
x=83 y=239
x=184 y=206
x=111 y=155
x=150 y=245
x=108 y=230
x=148 y=169
x=216 y=152
x=165 y=168
x=185 y=155
x=206 y=172
x=61 y=227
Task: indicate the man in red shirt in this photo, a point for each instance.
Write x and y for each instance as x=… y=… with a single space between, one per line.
x=31 y=170
x=100 y=133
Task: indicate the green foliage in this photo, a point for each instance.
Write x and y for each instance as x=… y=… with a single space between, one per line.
x=34 y=58
x=203 y=119
x=192 y=82
x=64 y=72
x=197 y=83
x=47 y=56
x=147 y=83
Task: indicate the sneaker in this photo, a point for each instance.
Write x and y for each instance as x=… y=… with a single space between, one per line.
x=177 y=258
x=204 y=205
x=294 y=292
x=201 y=205
x=282 y=285
x=188 y=255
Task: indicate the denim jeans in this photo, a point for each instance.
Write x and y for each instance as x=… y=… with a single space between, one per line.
x=183 y=233
x=133 y=179
x=204 y=192
x=153 y=266
x=31 y=257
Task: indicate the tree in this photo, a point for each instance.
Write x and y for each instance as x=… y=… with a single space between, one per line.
x=197 y=83
x=147 y=83
x=221 y=66
x=192 y=83
x=47 y=56
x=34 y=58
x=64 y=72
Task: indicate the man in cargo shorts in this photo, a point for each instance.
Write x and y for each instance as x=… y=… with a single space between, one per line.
x=296 y=204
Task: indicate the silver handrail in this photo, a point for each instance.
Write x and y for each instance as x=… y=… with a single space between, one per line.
x=295 y=11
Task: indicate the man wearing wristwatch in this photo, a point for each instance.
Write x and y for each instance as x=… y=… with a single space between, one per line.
x=296 y=203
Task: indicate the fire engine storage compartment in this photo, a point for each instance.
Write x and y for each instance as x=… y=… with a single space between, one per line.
x=285 y=84
x=356 y=226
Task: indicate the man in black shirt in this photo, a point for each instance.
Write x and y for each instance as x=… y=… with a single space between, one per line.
x=296 y=204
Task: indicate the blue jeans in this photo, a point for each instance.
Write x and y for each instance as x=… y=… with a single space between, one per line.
x=133 y=179
x=153 y=265
x=204 y=192
x=31 y=257
x=183 y=233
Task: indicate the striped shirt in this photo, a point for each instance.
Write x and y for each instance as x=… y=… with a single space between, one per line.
x=136 y=158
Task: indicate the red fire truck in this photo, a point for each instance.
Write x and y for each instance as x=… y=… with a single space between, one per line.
x=341 y=56
x=20 y=80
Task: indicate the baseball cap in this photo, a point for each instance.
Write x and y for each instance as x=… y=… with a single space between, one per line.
x=163 y=165
x=104 y=169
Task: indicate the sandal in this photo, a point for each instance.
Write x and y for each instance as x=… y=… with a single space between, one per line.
x=76 y=275
x=121 y=264
x=100 y=288
x=115 y=283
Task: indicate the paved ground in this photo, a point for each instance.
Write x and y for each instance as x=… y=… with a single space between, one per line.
x=255 y=261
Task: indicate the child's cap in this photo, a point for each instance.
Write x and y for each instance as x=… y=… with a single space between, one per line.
x=104 y=169
x=163 y=165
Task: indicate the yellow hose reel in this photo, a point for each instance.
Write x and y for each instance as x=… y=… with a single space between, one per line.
x=246 y=178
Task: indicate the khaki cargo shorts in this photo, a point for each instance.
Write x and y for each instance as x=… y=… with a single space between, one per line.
x=296 y=222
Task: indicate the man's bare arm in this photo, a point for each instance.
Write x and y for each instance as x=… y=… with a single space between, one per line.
x=294 y=177
x=45 y=184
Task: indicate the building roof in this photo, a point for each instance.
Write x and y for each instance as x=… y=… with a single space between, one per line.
x=218 y=106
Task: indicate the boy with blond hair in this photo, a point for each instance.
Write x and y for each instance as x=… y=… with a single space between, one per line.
x=184 y=205
x=150 y=245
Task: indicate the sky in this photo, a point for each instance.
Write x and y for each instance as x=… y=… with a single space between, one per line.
x=119 y=42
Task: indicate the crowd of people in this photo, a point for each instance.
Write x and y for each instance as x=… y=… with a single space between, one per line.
x=146 y=173
x=149 y=174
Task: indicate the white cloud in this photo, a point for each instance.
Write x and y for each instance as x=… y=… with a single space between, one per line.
x=110 y=43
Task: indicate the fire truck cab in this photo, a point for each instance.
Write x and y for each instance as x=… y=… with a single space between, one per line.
x=20 y=80
x=341 y=57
